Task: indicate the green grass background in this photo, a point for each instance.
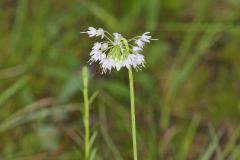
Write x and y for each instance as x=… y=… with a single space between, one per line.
x=187 y=97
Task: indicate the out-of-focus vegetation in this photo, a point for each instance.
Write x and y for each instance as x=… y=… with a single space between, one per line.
x=187 y=97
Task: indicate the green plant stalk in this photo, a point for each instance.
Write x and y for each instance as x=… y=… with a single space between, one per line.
x=134 y=136
x=86 y=117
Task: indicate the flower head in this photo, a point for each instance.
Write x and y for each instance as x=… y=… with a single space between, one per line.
x=117 y=52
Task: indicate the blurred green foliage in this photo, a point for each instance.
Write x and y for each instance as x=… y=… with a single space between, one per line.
x=187 y=97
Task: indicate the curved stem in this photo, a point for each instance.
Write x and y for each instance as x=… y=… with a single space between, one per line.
x=133 y=39
x=126 y=45
x=108 y=37
x=134 y=135
x=108 y=49
x=109 y=34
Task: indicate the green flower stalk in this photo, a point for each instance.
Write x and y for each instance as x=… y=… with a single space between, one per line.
x=134 y=134
x=85 y=76
x=116 y=52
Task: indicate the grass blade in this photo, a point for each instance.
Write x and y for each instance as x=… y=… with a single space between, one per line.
x=12 y=89
x=187 y=141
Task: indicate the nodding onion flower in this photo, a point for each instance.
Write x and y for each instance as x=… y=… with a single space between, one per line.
x=117 y=52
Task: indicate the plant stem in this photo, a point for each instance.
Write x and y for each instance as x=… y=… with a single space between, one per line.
x=86 y=116
x=134 y=136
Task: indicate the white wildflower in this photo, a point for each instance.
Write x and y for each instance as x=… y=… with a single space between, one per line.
x=132 y=59
x=117 y=37
x=118 y=65
x=126 y=63
x=92 y=32
x=97 y=55
x=136 y=60
x=117 y=52
x=140 y=43
x=100 y=32
x=140 y=59
x=136 y=49
x=97 y=46
x=145 y=37
x=104 y=46
x=107 y=64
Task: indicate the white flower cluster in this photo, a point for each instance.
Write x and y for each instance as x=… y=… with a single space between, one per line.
x=117 y=52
